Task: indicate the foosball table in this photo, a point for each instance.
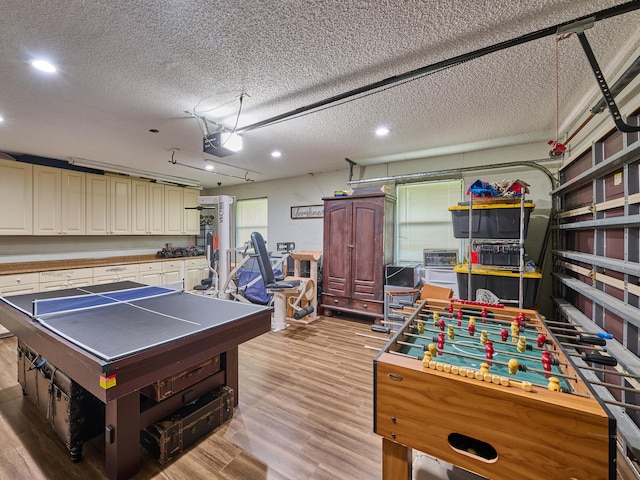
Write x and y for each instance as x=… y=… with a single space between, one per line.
x=489 y=389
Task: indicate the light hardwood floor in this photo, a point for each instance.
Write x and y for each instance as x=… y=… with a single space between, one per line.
x=305 y=412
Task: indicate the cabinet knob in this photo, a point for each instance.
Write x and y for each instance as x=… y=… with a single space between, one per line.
x=365 y=305
x=335 y=301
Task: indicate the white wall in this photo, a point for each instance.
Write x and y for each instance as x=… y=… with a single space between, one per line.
x=310 y=189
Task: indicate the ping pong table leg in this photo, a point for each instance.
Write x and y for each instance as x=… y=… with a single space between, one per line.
x=122 y=437
x=231 y=372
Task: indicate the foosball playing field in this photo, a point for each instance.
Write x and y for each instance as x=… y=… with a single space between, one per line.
x=489 y=389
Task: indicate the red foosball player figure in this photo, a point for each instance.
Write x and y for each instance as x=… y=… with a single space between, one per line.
x=484 y=315
x=441 y=324
x=504 y=334
x=440 y=343
x=472 y=329
x=542 y=340
x=546 y=362
x=460 y=316
x=488 y=350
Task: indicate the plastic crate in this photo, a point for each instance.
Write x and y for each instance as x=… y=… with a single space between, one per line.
x=492 y=220
x=507 y=255
x=440 y=258
x=503 y=284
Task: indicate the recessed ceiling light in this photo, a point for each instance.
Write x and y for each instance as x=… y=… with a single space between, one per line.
x=276 y=154
x=208 y=167
x=382 y=131
x=1 y=118
x=44 y=66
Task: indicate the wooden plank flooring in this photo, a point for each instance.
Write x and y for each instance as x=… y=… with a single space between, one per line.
x=305 y=412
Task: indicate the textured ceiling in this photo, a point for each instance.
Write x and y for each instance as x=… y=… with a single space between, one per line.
x=126 y=67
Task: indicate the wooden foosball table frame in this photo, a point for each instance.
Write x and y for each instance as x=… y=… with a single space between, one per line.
x=500 y=432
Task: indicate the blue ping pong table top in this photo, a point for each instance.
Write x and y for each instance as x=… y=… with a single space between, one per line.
x=111 y=330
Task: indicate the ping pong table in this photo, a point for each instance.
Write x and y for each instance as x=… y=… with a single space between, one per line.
x=115 y=339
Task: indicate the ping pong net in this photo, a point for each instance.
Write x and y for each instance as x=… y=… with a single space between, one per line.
x=88 y=299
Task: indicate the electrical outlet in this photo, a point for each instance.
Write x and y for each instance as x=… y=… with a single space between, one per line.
x=291 y=246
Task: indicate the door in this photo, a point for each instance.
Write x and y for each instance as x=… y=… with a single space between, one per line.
x=366 y=254
x=337 y=248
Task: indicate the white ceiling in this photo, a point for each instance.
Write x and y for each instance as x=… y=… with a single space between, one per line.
x=128 y=66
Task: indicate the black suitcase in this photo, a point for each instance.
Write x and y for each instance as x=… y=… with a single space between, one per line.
x=172 y=435
x=73 y=413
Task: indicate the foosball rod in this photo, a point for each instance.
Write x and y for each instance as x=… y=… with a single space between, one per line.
x=611 y=372
x=498 y=362
x=479 y=324
x=499 y=342
x=474 y=312
x=372 y=336
x=507 y=321
x=584 y=339
x=512 y=382
x=605 y=335
x=617 y=387
x=621 y=404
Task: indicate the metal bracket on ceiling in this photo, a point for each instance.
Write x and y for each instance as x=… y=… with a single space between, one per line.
x=351 y=165
x=604 y=88
x=576 y=27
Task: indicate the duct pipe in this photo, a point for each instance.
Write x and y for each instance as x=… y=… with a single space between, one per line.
x=423 y=176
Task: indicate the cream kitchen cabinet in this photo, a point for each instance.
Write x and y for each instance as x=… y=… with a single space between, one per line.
x=19 y=283
x=16 y=183
x=108 y=205
x=57 y=279
x=115 y=273
x=179 y=221
x=150 y=273
x=147 y=208
x=195 y=269
x=58 y=201
x=172 y=271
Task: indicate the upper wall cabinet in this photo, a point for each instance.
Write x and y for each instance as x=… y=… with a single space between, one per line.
x=44 y=200
x=108 y=205
x=180 y=216
x=16 y=181
x=147 y=211
x=58 y=201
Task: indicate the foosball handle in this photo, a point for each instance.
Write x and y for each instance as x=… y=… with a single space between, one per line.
x=380 y=328
x=591 y=340
x=599 y=359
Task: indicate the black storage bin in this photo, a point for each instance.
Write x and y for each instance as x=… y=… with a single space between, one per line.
x=490 y=220
x=504 y=284
x=507 y=255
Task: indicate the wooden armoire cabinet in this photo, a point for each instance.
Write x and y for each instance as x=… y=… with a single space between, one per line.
x=358 y=244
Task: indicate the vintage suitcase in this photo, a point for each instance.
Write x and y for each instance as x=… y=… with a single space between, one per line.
x=73 y=413
x=164 y=388
x=172 y=435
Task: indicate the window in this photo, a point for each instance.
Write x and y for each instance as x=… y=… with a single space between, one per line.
x=251 y=216
x=424 y=219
